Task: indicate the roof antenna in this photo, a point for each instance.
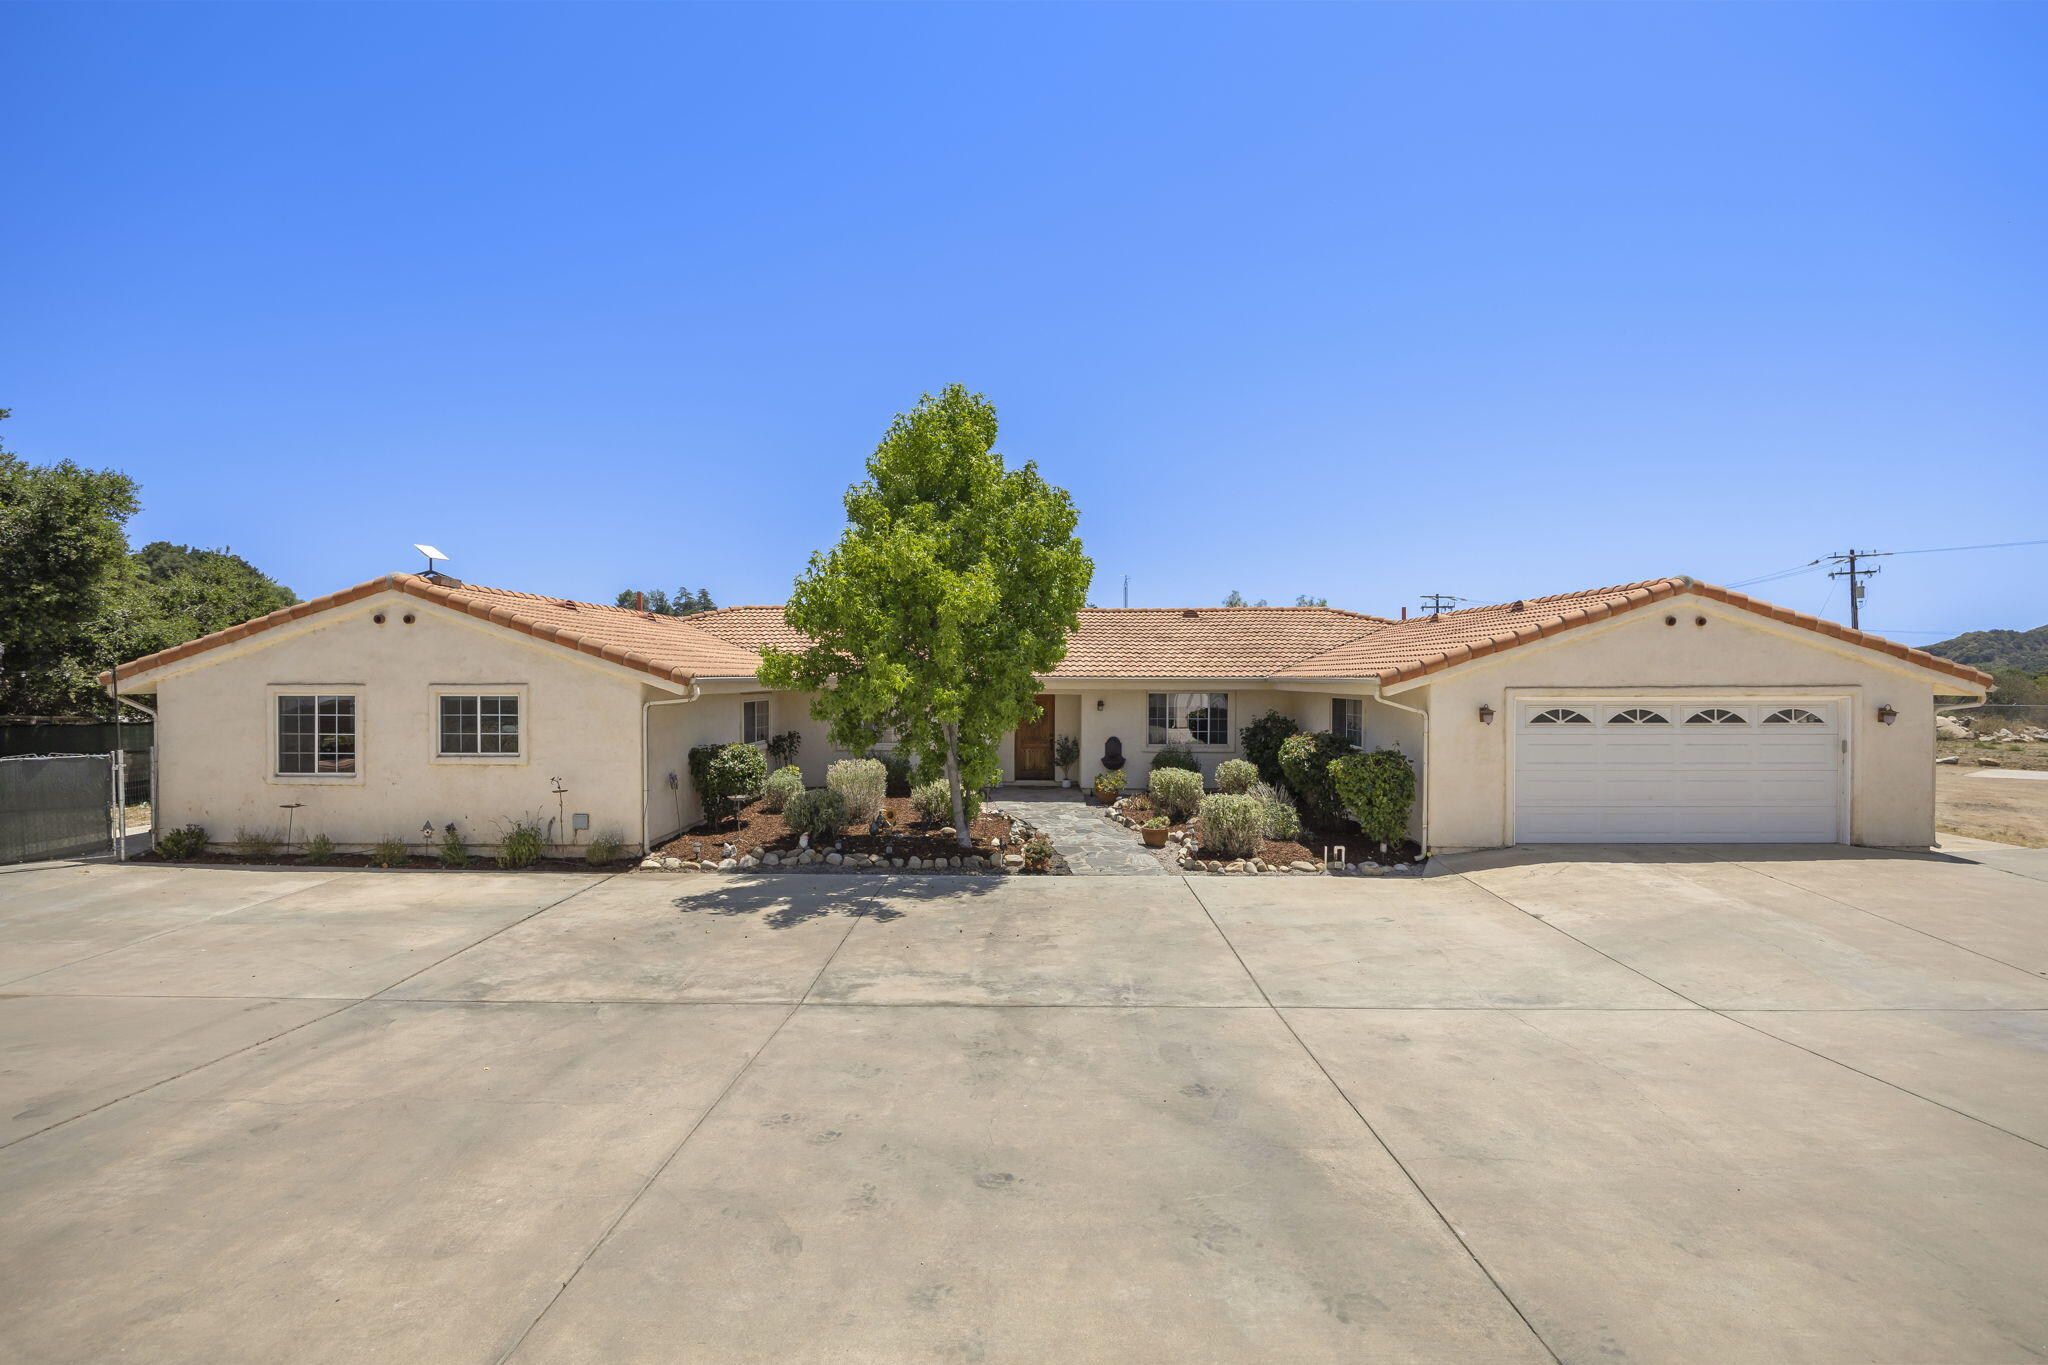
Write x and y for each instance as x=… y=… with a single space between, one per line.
x=1127 y=590
x=432 y=554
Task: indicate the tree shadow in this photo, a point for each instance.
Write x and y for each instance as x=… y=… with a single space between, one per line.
x=786 y=899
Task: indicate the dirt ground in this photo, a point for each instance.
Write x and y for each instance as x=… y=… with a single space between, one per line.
x=2012 y=810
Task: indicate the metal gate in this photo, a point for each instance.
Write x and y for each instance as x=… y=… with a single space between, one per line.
x=59 y=806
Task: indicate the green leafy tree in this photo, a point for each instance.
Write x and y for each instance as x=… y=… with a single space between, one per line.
x=1304 y=600
x=63 y=562
x=684 y=603
x=953 y=588
x=1236 y=599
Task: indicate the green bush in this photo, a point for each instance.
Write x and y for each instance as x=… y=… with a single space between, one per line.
x=1176 y=792
x=1378 y=789
x=782 y=784
x=1176 y=756
x=1234 y=776
x=255 y=843
x=819 y=812
x=605 y=846
x=389 y=852
x=1037 y=856
x=178 y=844
x=1283 y=821
x=1231 y=826
x=452 y=851
x=1306 y=759
x=899 y=774
x=319 y=849
x=934 y=802
x=861 y=783
x=523 y=843
x=1261 y=742
x=722 y=771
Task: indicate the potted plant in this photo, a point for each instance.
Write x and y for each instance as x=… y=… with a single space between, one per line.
x=1066 y=752
x=1107 y=785
x=1154 y=831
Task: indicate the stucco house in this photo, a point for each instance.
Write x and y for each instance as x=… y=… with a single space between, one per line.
x=1662 y=711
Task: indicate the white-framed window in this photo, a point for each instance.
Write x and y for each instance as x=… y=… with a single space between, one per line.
x=1347 y=719
x=1559 y=715
x=1793 y=715
x=1637 y=715
x=479 y=725
x=754 y=721
x=316 y=734
x=1192 y=718
x=1715 y=715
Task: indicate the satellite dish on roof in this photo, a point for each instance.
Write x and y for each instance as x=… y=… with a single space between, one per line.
x=431 y=553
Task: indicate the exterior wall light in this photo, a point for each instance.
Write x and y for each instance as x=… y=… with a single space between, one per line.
x=1887 y=714
x=1486 y=715
x=1098 y=703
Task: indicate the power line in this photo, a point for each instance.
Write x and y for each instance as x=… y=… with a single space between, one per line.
x=1773 y=577
x=1951 y=549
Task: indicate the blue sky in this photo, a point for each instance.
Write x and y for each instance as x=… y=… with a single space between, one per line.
x=1362 y=301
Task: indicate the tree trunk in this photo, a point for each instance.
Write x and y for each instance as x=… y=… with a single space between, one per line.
x=965 y=839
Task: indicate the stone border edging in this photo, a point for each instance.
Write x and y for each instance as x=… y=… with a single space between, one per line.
x=1009 y=862
x=1184 y=858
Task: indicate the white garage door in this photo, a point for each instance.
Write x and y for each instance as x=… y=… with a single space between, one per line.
x=1698 y=771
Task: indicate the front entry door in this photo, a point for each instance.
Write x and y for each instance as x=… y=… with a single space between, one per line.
x=1034 y=744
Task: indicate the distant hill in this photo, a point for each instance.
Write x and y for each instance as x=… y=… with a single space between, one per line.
x=2025 y=650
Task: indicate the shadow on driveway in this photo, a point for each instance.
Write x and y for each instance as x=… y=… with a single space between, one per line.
x=787 y=900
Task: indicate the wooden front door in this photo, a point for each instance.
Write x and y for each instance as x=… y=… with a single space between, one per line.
x=1034 y=744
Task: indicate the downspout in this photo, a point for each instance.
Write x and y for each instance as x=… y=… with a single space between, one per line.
x=1422 y=781
x=645 y=707
x=156 y=777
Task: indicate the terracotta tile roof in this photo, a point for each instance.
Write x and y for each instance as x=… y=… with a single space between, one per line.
x=1204 y=642
x=666 y=647
x=751 y=627
x=1412 y=649
x=1110 y=642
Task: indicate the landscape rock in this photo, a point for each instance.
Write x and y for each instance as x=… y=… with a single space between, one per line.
x=728 y=865
x=707 y=866
x=1948 y=758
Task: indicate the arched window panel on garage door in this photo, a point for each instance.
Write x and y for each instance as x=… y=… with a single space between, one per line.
x=1559 y=715
x=1638 y=715
x=1716 y=715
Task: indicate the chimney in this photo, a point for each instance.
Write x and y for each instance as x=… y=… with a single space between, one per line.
x=639 y=601
x=1404 y=613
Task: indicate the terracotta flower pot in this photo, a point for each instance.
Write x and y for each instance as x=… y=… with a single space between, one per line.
x=1155 y=838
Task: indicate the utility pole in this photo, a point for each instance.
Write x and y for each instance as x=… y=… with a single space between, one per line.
x=1855 y=576
x=1437 y=602
x=1127 y=590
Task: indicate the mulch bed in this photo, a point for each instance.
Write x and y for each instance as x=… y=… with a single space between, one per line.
x=757 y=831
x=1281 y=852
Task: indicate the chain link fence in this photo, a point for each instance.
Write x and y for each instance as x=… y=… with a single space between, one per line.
x=58 y=806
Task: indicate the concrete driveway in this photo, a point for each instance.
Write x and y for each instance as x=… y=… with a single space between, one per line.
x=1646 y=1105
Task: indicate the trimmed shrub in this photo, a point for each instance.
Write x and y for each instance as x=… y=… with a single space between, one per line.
x=819 y=812
x=861 y=783
x=1378 y=789
x=722 y=771
x=1282 y=820
x=1176 y=756
x=934 y=802
x=188 y=842
x=523 y=844
x=604 y=847
x=1261 y=742
x=1306 y=759
x=452 y=851
x=1231 y=826
x=389 y=852
x=255 y=843
x=1176 y=792
x=782 y=784
x=1234 y=776
x=319 y=849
